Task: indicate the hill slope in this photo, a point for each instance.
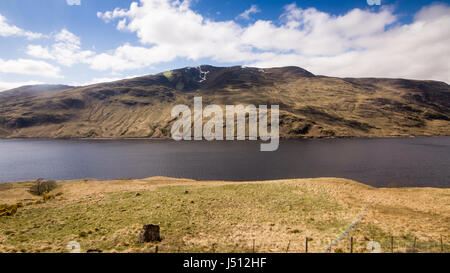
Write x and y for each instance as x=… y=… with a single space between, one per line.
x=310 y=106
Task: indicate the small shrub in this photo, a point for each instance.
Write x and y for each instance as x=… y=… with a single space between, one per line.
x=48 y=196
x=8 y=210
x=338 y=250
x=41 y=187
x=91 y=133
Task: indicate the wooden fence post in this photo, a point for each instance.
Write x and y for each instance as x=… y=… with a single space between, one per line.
x=289 y=244
x=392 y=244
x=351 y=244
x=414 y=246
x=306 y=245
x=156 y=249
x=253 y=245
x=442 y=245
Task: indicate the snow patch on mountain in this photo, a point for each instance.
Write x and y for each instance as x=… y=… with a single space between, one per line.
x=203 y=74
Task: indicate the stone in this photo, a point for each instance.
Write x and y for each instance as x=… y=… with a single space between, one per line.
x=95 y=250
x=149 y=233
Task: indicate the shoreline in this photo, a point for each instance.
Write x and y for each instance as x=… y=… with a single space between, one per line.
x=280 y=180
x=247 y=140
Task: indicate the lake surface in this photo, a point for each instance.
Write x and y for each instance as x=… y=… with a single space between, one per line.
x=378 y=162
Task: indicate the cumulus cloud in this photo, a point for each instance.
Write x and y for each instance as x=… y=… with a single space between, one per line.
x=29 y=67
x=246 y=14
x=7 y=30
x=129 y=57
x=358 y=43
x=417 y=50
x=108 y=16
x=66 y=50
x=11 y=85
x=173 y=30
x=73 y=2
x=104 y=79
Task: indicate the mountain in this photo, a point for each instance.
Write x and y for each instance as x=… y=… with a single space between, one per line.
x=310 y=105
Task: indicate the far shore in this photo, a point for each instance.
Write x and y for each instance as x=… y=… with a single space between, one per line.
x=281 y=138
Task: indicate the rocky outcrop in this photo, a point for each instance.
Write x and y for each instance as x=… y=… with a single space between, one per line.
x=149 y=233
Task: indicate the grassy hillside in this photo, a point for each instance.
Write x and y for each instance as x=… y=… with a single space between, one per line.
x=311 y=106
x=226 y=216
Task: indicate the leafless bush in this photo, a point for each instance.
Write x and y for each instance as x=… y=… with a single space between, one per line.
x=41 y=187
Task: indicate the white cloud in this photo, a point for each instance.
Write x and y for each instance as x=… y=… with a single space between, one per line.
x=129 y=57
x=418 y=50
x=29 y=67
x=313 y=33
x=246 y=14
x=11 y=85
x=173 y=30
x=66 y=50
x=95 y=81
x=103 y=80
x=358 y=43
x=7 y=30
x=39 y=52
x=73 y=2
x=116 y=13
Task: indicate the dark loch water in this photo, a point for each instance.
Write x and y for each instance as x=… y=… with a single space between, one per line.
x=378 y=162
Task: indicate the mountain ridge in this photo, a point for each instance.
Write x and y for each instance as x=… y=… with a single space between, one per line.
x=310 y=105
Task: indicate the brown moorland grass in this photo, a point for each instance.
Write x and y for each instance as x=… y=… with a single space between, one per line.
x=207 y=216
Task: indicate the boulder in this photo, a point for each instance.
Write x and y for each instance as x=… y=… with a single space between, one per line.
x=149 y=233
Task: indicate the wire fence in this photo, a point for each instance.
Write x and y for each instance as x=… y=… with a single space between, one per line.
x=393 y=244
x=359 y=244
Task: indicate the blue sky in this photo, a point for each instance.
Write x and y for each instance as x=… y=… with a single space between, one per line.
x=50 y=41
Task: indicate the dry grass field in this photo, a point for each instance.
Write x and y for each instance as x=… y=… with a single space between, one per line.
x=217 y=216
